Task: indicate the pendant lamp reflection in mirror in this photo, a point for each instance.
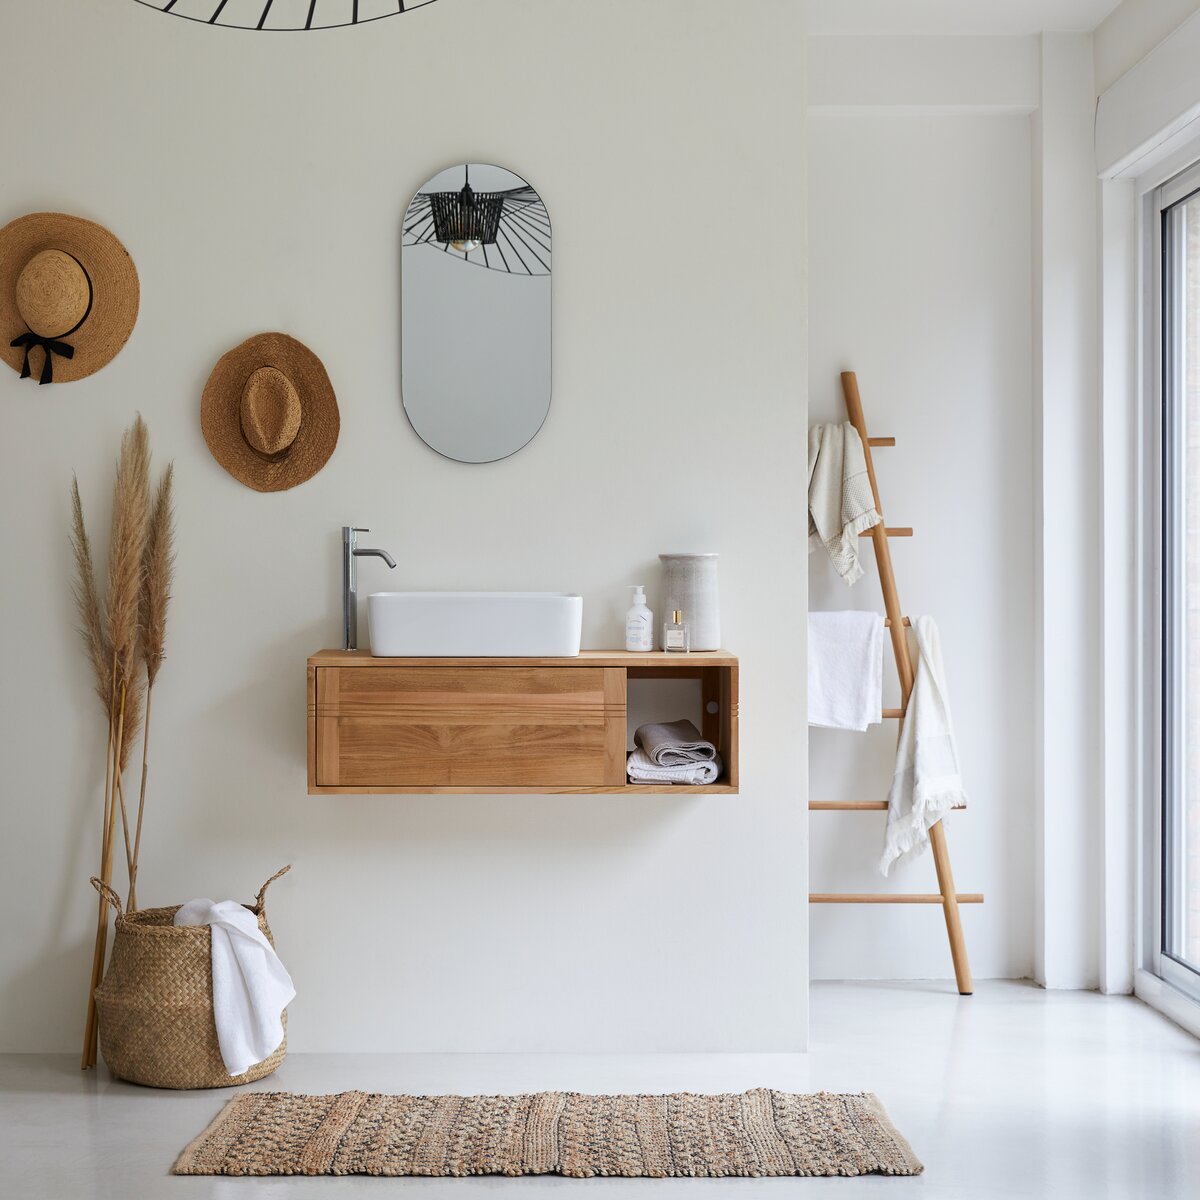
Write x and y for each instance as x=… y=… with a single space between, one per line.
x=475 y=343
x=464 y=220
x=285 y=14
x=507 y=229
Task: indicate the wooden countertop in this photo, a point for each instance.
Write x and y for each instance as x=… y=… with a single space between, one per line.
x=586 y=658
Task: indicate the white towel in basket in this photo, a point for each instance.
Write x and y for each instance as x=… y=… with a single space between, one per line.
x=251 y=988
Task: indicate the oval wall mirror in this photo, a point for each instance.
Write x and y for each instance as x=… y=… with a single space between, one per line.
x=475 y=313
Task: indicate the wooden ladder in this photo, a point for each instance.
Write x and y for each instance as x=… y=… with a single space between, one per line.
x=896 y=622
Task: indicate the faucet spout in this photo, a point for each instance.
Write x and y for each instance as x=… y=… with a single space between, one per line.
x=351 y=553
x=387 y=558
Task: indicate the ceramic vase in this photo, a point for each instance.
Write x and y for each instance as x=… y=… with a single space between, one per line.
x=690 y=582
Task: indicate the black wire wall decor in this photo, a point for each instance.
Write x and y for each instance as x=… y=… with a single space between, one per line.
x=284 y=14
x=507 y=230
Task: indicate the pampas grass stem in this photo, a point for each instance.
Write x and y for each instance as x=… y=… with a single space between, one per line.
x=101 y=947
x=156 y=595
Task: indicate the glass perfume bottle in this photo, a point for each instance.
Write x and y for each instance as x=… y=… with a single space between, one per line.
x=676 y=634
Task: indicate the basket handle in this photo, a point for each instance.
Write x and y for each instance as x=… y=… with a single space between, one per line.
x=107 y=893
x=262 y=891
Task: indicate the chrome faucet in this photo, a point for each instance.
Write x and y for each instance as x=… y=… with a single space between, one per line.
x=351 y=553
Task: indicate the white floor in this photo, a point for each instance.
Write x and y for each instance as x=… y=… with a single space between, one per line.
x=1013 y=1092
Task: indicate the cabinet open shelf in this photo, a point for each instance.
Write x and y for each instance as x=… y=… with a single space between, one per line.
x=496 y=726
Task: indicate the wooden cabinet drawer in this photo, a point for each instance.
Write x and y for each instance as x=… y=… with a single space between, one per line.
x=469 y=727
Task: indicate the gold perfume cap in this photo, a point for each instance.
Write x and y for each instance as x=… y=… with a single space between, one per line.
x=679 y=616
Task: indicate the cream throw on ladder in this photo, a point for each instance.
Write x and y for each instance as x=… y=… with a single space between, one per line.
x=840 y=502
x=926 y=784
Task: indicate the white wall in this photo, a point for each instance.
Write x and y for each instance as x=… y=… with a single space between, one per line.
x=1067 y=515
x=920 y=281
x=259 y=182
x=1131 y=31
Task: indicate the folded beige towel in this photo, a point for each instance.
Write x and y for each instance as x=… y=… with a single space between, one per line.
x=641 y=769
x=840 y=501
x=674 y=744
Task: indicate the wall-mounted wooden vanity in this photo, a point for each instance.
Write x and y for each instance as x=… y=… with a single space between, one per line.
x=496 y=725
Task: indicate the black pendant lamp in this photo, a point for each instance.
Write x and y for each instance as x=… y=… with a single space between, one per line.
x=466 y=219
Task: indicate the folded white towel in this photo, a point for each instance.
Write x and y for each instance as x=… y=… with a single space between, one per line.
x=926 y=784
x=250 y=986
x=841 y=503
x=642 y=769
x=845 y=669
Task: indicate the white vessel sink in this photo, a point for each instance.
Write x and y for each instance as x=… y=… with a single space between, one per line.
x=475 y=624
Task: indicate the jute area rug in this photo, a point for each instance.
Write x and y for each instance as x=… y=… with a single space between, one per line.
x=756 y=1133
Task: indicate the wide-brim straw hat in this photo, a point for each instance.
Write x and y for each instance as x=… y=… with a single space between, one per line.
x=269 y=413
x=68 y=296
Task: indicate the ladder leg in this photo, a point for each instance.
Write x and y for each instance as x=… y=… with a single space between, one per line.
x=904 y=670
x=954 y=930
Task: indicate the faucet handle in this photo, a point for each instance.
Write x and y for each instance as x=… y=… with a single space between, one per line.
x=360 y=529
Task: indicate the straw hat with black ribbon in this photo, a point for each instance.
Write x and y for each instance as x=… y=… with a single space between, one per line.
x=269 y=413
x=68 y=296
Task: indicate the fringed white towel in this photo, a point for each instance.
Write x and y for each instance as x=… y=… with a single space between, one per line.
x=926 y=783
x=251 y=988
x=845 y=669
x=840 y=501
x=641 y=768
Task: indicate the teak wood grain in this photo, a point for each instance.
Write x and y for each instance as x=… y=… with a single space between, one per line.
x=497 y=726
x=470 y=726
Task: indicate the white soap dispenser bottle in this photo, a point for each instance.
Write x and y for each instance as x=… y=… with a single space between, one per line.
x=639 y=622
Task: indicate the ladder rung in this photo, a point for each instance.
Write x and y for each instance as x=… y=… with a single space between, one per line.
x=881 y=441
x=886 y=898
x=887 y=621
x=859 y=806
x=847 y=805
x=893 y=712
x=891 y=531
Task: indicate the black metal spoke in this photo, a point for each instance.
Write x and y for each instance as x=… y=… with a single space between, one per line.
x=516 y=250
x=533 y=231
x=308 y=19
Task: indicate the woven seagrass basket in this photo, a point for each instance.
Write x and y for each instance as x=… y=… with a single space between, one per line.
x=156 y=1002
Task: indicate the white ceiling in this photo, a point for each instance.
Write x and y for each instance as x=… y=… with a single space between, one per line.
x=955 y=16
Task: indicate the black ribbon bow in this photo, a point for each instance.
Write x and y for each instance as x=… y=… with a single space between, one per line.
x=50 y=346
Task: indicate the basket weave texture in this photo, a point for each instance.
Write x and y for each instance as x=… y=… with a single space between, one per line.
x=156 y=1002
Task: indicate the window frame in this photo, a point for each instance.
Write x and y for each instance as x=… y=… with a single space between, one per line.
x=1164 y=338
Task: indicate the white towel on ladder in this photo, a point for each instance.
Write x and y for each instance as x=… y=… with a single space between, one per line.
x=845 y=669
x=926 y=783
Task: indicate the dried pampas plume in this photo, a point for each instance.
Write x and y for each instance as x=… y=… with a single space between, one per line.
x=126 y=563
x=87 y=603
x=159 y=568
x=125 y=638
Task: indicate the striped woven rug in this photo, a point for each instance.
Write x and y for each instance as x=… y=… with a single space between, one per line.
x=757 y=1133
